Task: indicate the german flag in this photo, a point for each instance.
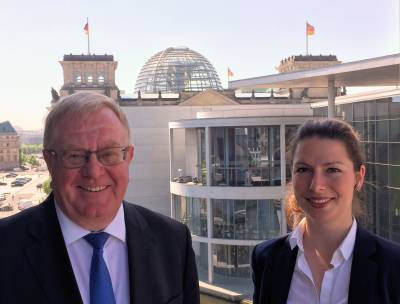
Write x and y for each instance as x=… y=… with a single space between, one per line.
x=309 y=29
x=86 y=28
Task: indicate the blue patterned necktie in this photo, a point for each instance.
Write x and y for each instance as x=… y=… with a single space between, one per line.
x=101 y=290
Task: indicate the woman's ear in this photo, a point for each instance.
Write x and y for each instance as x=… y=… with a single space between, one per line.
x=360 y=178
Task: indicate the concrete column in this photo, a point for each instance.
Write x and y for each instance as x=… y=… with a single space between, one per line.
x=331 y=96
x=209 y=213
x=171 y=161
x=282 y=139
x=208 y=155
x=209 y=244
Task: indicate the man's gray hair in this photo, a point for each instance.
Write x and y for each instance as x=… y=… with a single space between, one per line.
x=81 y=104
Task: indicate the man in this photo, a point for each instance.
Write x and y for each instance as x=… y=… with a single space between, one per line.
x=50 y=253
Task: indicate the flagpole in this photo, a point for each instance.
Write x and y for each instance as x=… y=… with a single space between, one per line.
x=228 y=78
x=88 y=38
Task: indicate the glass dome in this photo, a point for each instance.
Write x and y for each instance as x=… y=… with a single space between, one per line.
x=175 y=70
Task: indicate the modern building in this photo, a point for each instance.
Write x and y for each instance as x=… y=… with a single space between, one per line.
x=149 y=116
x=375 y=114
x=9 y=146
x=228 y=177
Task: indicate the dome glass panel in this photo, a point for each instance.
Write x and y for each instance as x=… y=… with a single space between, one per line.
x=175 y=70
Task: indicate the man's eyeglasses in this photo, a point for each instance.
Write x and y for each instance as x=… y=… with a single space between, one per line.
x=71 y=159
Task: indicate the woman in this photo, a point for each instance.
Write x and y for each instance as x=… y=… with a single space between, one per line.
x=328 y=258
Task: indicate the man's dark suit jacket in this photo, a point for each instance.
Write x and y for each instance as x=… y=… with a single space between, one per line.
x=374 y=278
x=35 y=267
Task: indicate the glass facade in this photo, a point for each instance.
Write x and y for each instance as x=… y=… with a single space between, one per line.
x=232 y=260
x=378 y=122
x=246 y=219
x=191 y=211
x=201 y=163
x=175 y=70
x=201 y=254
x=290 y=132
x=245 y=156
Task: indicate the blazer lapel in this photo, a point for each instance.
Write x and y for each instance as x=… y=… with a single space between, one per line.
x=364 y=270
x=281 y=266
x=141 y=264
x=49 y=259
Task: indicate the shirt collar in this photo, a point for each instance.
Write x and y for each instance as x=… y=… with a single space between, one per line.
x=73 y=232
x=296 y=236
x=347 y=245
x=344 y=251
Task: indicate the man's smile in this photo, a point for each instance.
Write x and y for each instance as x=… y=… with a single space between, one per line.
x=93 y=188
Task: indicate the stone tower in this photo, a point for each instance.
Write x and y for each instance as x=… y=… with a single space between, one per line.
x=306 y=62
x=94 y=73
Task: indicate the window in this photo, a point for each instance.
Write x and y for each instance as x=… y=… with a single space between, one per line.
x=78 y=79
x=90 y=79
x=246 y=219
x=100 y=79
x=245 y=156
x=382 y=130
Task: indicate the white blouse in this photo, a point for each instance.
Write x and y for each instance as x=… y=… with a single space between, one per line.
x=335 y=283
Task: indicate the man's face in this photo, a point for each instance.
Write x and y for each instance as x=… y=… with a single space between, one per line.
x=90 y=195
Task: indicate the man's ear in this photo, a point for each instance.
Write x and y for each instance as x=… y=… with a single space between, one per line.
x=48 y=158
x=130 y=154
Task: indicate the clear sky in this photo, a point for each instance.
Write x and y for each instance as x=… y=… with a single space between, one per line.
x=250 y=37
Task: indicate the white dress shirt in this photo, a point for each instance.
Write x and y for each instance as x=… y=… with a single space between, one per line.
x=335 y=283
x=115 y=255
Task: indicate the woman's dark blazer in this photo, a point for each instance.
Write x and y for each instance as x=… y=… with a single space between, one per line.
x=374 y=278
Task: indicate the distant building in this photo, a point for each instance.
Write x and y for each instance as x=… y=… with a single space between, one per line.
x=32 y=137
x=9 y=146
x=307 y=62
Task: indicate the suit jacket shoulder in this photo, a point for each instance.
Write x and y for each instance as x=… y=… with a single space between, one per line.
x=266 y=248
x=161 y=258
x=375 y=272
x=34 y=262
x=273 y=263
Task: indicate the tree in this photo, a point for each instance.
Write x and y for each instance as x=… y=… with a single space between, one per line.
x=31 y=148
x=47 y=186
x=32 y=160
x=22 y=157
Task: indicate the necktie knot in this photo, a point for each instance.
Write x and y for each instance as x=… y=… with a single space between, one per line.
x=97 y=239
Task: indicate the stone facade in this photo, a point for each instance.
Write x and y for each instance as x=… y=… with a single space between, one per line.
x=306 y=62
x=95 y=73
x=9 y=146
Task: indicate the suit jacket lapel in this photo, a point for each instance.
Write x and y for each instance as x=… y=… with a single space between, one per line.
x=364 y=270
x=48 y=256
x=142 y=267
x=279 y=269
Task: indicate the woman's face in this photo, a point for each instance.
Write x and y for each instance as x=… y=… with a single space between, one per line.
x=324 y=179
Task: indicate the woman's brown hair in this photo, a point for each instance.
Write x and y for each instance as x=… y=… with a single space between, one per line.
x=328 y=129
